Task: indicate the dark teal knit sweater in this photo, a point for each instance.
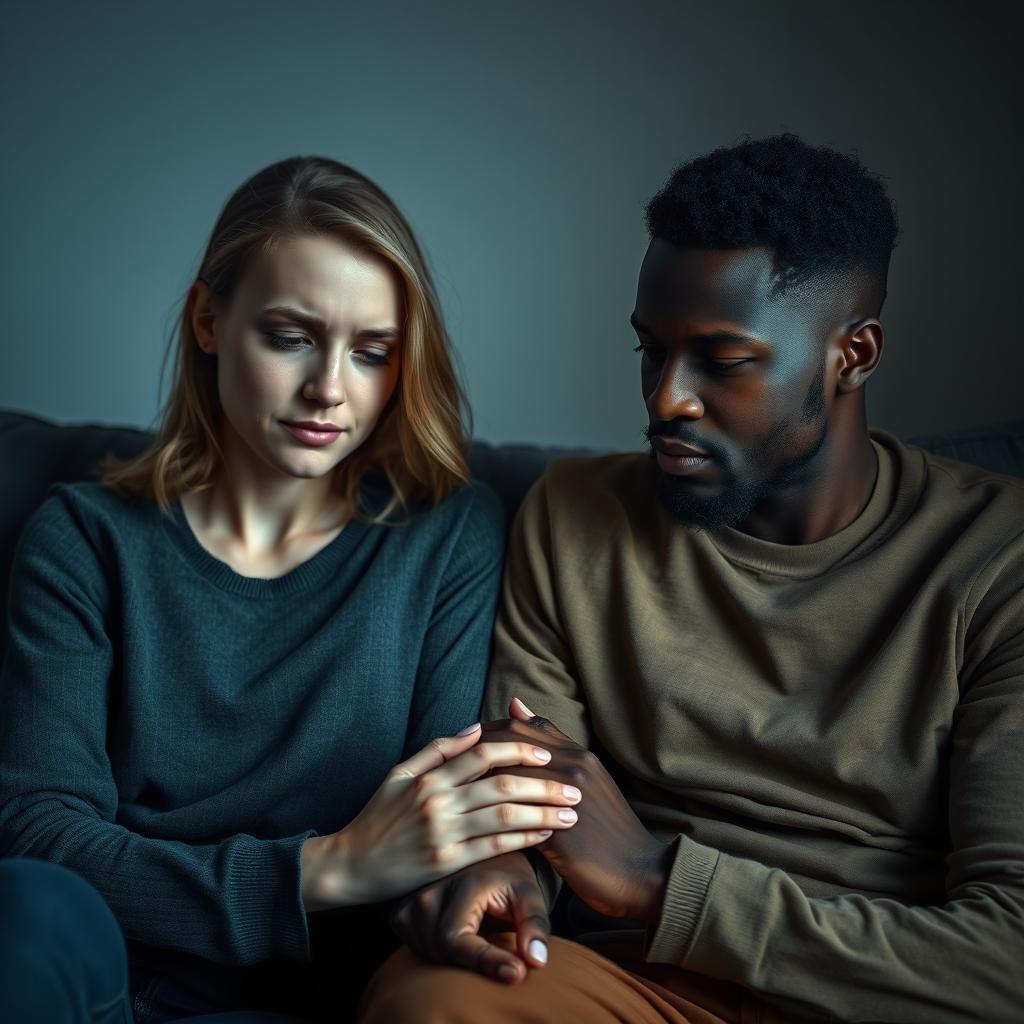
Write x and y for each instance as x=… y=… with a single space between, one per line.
x=174 y=731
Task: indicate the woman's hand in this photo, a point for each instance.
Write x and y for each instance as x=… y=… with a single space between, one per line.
x=434 y=814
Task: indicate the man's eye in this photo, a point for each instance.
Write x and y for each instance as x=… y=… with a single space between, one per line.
x=287 y=342
x=724 y=365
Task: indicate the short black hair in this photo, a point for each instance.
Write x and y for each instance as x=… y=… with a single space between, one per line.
x=821 y=212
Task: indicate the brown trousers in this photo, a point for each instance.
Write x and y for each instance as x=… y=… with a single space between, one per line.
x=577 y=985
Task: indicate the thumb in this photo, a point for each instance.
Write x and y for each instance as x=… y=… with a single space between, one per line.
x=436 y=752
x=533 y=927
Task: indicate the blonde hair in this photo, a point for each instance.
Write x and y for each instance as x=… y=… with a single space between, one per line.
x=421 y=440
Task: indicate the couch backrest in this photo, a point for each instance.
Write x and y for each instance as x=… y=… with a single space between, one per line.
x=35 y=453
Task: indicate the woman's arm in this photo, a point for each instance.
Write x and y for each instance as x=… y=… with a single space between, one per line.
x=235 y=901
x=456 y=649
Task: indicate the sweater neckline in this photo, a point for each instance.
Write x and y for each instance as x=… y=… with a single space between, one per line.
x=303 y=577
x=895 y=493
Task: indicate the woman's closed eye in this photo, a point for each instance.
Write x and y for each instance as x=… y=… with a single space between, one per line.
x=373 y=356
x=288 y=342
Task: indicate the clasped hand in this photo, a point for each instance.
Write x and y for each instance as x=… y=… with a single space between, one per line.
x=444 y=808
x=608 y=858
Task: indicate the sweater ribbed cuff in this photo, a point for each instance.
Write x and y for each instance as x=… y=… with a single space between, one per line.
x=685 y=894
x=265 y=886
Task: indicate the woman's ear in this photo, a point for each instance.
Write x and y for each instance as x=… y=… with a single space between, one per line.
x=199 y=308
x=861 y=351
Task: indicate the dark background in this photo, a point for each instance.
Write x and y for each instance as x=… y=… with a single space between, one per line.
x=522 y=140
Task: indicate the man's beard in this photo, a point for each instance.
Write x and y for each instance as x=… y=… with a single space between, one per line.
x=735 y=499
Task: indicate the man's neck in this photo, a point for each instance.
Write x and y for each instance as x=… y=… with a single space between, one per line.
x=835 y=491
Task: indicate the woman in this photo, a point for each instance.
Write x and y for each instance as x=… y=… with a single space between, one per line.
x=219 y=653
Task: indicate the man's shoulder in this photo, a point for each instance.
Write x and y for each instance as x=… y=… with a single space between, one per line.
x=954 y=490
x=582 y=480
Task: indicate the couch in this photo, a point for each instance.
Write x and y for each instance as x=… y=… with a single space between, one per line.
x=36 y=452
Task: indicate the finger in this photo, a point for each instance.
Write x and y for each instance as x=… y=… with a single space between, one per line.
x=513 y=818
x=483 y=757
x=459 y=941
x=533 y=926
x=436 y=753
x=519 y=711
x=518 y=789
x=472 y=851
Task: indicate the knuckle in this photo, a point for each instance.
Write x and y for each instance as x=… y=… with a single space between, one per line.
x=538 y=922
x=506 y=814
x=442 y=855
x=505 y=784
x=576 y=775
x=553 y=789
x=481 y=753
x=422 y=784
x=589 y=760
x=499 y=843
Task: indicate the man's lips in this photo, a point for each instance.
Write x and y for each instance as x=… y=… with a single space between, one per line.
x=678 y=449
x=679 y=459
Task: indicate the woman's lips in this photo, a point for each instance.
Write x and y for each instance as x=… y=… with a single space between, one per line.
x=315 y=438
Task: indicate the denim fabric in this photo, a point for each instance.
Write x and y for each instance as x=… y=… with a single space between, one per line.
x=62 y=957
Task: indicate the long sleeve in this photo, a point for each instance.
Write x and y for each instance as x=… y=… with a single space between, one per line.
x=235 y=901
x=457 y=645
x=532 y=655
x=858 y=958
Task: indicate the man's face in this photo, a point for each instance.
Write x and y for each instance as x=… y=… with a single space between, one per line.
x=733 y=378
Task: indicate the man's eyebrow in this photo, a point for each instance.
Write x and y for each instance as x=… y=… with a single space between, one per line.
x=316 y=324
x=705 y=337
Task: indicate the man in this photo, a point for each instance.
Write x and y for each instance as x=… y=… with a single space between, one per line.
x=781 y=656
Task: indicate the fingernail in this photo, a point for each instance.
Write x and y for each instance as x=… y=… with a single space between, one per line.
x=538 y=950
x=507 y=972
x=565 y=814
x=541 y=755
x=572 y=793
x=545 y=833
x=526 y=709
x=468 y=729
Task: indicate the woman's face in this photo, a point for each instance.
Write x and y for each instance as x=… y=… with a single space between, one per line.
x=307 y=350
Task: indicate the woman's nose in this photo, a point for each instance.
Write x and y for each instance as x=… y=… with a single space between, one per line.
x=326 y=385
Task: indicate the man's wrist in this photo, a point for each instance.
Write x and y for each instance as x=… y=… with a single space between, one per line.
x=653 y=882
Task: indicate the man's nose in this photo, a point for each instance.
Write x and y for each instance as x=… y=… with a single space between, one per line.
x=326 y=385
x=674 y=396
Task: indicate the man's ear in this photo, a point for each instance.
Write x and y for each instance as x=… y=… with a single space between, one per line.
x=861 y=350
x=199 y=308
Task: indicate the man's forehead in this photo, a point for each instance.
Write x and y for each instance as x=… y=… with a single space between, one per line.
x=733 y=284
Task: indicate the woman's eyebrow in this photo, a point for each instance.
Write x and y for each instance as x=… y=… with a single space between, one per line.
x=318 y=325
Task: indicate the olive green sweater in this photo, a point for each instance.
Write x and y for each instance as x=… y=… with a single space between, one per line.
x=831 y=734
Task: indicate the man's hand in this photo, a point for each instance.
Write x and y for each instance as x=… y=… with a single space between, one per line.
x=442 y=921
x=611 y=861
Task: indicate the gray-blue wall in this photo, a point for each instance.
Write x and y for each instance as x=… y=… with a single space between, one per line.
x=522 y=140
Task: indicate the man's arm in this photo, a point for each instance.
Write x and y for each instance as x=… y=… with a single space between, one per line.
x=867 y=959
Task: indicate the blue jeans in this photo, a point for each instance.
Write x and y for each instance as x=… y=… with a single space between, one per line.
x=63 y=959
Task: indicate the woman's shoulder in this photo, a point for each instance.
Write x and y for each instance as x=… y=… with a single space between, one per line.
x=86 y=512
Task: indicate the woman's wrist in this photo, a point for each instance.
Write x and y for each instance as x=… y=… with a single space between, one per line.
x=325 y=872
